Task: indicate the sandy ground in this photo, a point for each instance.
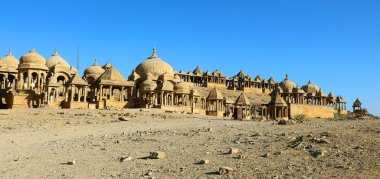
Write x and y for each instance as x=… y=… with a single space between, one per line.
x=39 y=143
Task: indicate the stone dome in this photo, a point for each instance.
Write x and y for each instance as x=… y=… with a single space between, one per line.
x=177 y=78
x=9 y=61
x=298 y=90
x=33 y=60
x=321 y=93
x=73 y=71
x=215 y=94
x=194 y=92
x=56 y=59
x=107 y=65
x=94 y=70
x=166 y=86
x=242 y=100
x=272 y=80
x=165 y=77
x=287 y=85
x=154 y=65
x=148 y=85
x=310 y=88
x=182 y=88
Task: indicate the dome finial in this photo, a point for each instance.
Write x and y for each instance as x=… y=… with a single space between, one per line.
x=309 y=82
x=33 y=50
x=55 y=52
x=95 y=62
x=286 y=77
x=10 y=52
x=154 y=55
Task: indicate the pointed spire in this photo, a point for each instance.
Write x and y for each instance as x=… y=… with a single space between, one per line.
x=154 y=55
x=95 y=62
x=10 y=52
x=286 y=77
x=309 y=82
x=33 y=50
x=55 y=52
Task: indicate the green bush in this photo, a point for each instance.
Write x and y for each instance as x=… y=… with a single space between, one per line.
x=300 y=117
x=338 y=116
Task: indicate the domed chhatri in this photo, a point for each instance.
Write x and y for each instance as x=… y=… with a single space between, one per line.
x=148 y=85
x=287 y=84
x=94 y=71
x=182 y=88
x=57 y=59
x=9 y=61
x=155 y=66
x=33 y=60
x=310 y=88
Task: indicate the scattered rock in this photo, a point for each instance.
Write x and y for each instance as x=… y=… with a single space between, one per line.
x=149 y=173
x=225 y=170
x=277 y=153
x=123 y=118
x=204 y=162
x=317 y=153
x=296 y=142
x=242 y=157
x=125 y=158
x=233 y=151
x=73 y=162
x=157 y=155
x=319 y=140
x=255 y=134
x=327 y=134
x=266 y=155
x=282 y=122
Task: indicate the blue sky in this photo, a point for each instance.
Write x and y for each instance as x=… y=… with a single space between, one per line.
x=335 y=44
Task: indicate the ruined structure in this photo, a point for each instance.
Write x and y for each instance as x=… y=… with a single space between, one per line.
x=34 y=82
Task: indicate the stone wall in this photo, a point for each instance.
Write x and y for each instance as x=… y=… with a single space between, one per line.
x=119 y=104
x=215 y=113
x=216 y=85
x=312 y=111
x=27 y=99
x=75 y=105
x=253 y=90
x=186 y=109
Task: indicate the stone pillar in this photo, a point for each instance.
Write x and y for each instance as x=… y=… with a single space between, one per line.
x=162 y=98
x=38 y=81
x=101 y=92
x=72 y=93
x=80 y=90
x=110 y=92
x=275 y=113
x=29 y=80
x=85 y=93
x=122 y=94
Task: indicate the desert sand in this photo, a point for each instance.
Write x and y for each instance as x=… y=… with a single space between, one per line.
x=57 y=143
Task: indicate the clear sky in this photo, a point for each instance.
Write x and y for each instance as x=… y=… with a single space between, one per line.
x=335 y=44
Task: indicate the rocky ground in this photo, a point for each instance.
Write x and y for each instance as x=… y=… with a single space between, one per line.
x=46 y=143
